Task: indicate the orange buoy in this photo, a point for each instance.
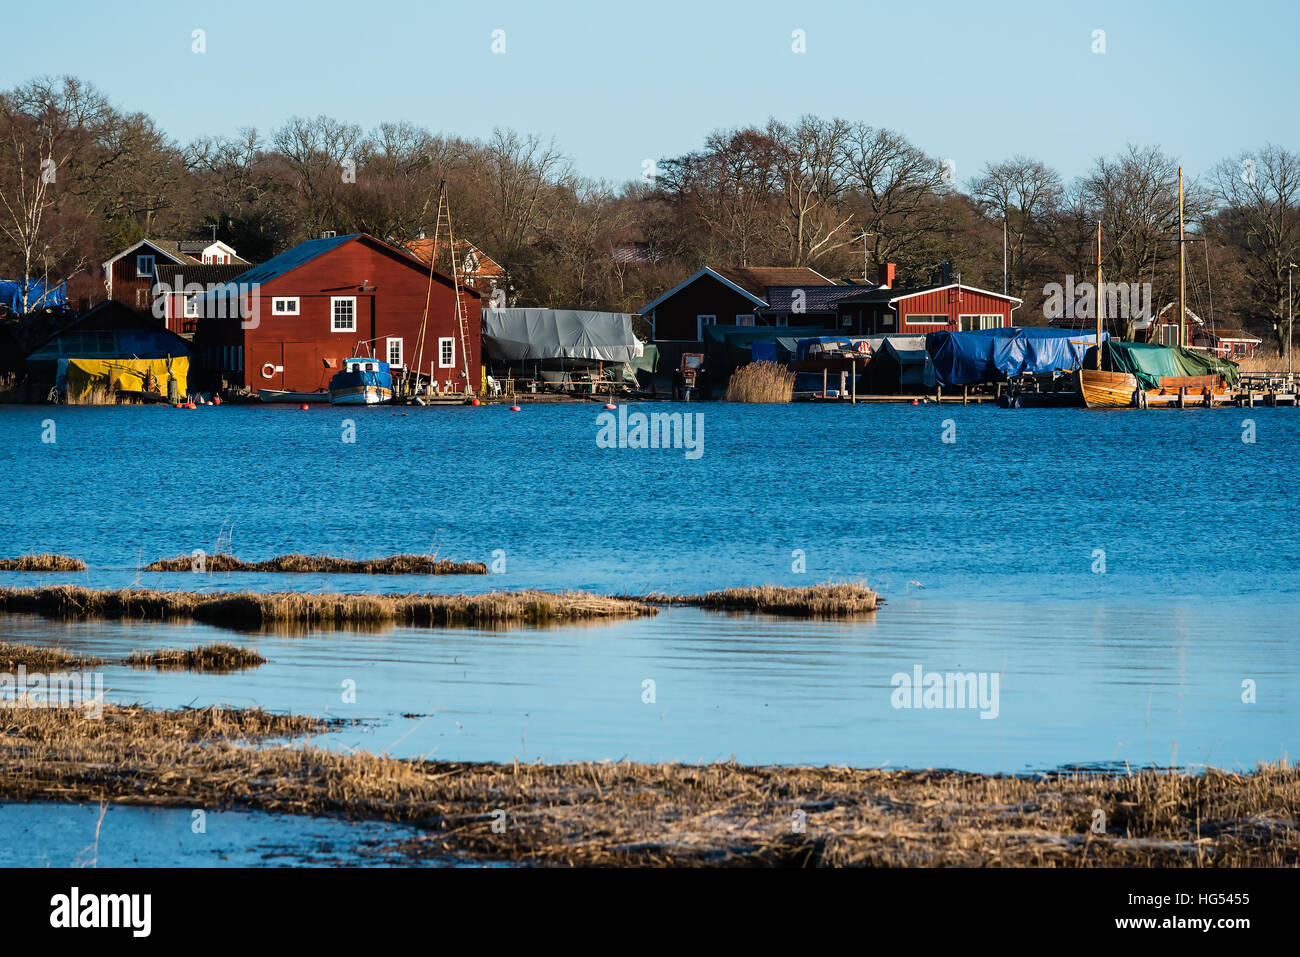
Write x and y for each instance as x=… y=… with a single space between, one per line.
x=475 y=402
x=515 y=408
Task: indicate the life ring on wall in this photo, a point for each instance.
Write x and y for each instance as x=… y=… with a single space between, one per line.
x=268 y=370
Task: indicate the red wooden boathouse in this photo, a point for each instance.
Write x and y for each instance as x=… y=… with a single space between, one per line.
x=325 y=300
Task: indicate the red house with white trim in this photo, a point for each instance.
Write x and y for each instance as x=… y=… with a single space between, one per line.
x=946 y=306
x=306 y=310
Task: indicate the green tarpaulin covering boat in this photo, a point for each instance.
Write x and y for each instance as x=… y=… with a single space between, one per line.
x=1149 y=362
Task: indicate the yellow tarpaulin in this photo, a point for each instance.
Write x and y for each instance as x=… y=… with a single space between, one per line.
x=127 y=375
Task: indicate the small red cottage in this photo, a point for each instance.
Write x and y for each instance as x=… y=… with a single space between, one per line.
x=130 y=276
x=946 y=306
x=325 y=300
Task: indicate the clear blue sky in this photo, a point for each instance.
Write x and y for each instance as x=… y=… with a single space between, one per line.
x=616 y=83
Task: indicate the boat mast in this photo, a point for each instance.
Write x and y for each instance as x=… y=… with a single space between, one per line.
x=1099 y=295
x=1182 y=265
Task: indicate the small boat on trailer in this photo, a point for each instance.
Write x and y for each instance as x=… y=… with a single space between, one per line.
x=362 y=381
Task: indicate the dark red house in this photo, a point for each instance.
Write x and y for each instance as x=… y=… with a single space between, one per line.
x=325 y=300
x=944 y=306
x=129 y=276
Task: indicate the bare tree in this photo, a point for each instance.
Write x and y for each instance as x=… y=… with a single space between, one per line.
x=1021 y=193
x=44 y=125
x=809 y=166
x=894 y=185
x=1259 y=220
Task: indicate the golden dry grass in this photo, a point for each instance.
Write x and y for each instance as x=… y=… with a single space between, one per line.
x=39 y=658
x=1266 y=359
x=44 y=562
x=310 y=609
x=638 y=814
x=768 y=382
x=296 y=563
x=844 y=600
x=217 y=657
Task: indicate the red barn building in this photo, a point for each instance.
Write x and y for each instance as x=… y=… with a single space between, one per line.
x=948 y=306
x=325 y=300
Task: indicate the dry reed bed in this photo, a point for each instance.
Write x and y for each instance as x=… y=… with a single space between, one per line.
x=812 y=601
x=392 y=565
x=42 y=563
x=310 y=609
x=215 y=657
x=619 y=814
x=766 y=382
x=38 y=658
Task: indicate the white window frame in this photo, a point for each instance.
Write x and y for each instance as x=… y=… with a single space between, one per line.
x=744 y=315
x=146 y=272
x=700 y=324
x=982 y=321
x=191 y=308
x=444 y=343
x=388 y=352
x=293 y=301
x=929 y=319
x=334 y=301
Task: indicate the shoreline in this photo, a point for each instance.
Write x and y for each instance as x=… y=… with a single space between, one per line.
x=630 y=814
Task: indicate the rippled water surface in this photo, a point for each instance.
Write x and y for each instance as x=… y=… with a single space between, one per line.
x=1130 y=577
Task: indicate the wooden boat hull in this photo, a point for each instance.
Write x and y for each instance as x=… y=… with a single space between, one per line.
x=1119 y=390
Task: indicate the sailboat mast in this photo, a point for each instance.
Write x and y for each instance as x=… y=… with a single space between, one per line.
x=1099 y=295
x=1182 y=264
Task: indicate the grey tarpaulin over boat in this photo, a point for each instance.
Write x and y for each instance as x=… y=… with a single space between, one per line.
x=516 y=334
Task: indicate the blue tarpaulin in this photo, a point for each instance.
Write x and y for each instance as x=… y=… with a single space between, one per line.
x=991 y=355
x=38 y=294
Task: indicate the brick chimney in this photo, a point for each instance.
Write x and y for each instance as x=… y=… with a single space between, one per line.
x=887 y=275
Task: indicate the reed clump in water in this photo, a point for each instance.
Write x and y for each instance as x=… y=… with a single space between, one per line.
x=845 y=600
x=255 y=609
x=39 y=658
x=43 y=562
x=761 y=382
x=296 y=563
x=660 y=814
x=217 y=657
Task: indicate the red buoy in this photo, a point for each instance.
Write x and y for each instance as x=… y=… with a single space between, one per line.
x=515 y=408
x=475 y=402
x=915 y=402
x=610 y=405
x=303 y=406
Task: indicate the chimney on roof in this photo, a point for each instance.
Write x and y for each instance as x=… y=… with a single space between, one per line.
x=945 y=273
x=887 y=275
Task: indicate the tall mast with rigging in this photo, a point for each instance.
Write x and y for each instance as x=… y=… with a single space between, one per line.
x=1182 y=264
x=1099 y=294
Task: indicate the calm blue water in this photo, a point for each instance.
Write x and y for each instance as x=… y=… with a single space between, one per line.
x=1124 y=573
x=72 y=835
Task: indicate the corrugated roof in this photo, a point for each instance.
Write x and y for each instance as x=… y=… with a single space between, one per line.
x=277 y=266
x=815 y=298
x=201 y=273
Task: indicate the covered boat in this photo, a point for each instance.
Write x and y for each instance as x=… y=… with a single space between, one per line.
x=1142 y=374
x=994 y=355
x=363 y=381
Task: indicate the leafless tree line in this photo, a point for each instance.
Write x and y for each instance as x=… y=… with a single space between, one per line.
x=79 y=178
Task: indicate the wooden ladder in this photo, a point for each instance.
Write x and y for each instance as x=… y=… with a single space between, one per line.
x=462 y=322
